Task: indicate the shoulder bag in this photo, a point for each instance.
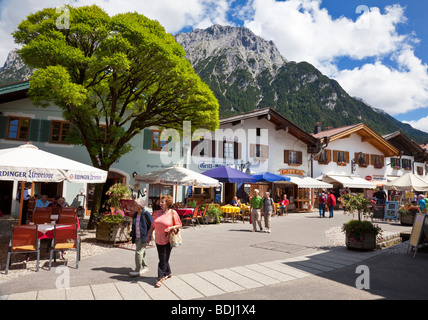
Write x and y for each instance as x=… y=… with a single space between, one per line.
x=175 y=235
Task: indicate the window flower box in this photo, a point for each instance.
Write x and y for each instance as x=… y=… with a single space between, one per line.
x=323 y=162
x=407 y=168
x=396 y=167
x=378 y=166
x=341 y=163
x=363 y=165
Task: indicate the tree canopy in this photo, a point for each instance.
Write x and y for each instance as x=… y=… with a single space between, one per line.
x=112 y=76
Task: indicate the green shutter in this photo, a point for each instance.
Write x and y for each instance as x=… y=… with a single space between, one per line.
x=147 y=143
x=45 y=130
x=3 y=126
x=34 y=129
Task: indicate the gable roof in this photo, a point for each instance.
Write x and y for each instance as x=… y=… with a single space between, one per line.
x=404 y=144
x=14 y=91
x=367 y=135
x=280 y=122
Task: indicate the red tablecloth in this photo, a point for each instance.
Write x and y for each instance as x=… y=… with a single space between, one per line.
x=184 y=211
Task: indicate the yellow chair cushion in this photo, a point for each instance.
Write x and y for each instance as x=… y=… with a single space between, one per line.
x=65 y=246
x=24 y=248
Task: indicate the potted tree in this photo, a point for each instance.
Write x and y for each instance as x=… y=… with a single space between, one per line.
x=360 y=234
x=114 y=225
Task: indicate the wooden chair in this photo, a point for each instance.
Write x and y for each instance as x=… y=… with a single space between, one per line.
x=192 y=217
x=24 y=240
x=65 y=238
x=202 y=216
x=42 y=215
x=67 y=217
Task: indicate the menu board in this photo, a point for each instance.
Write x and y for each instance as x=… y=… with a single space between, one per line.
x=417 y=231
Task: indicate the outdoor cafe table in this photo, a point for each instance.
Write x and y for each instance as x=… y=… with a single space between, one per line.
x=229 y=209
x=183 y=211
x=46 y=231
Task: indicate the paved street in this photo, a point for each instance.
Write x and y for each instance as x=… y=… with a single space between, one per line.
x=228 y=262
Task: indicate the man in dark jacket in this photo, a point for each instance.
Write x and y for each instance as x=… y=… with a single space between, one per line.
x=141 y=223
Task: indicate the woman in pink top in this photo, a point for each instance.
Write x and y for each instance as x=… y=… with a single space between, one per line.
x=165 y=221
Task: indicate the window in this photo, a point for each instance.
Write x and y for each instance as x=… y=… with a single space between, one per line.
x=59 y=131
x=362 y=159
x=341 y=157
x=420 y=171
x=228 y=149
x=18 y=128
x=407 y=164
x=292 y=157
x=258 y=151
x=377 y=161
x=395 y=163
x=324 y=157
x=157 y=143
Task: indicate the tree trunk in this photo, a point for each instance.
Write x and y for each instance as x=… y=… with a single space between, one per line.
x=96 y=205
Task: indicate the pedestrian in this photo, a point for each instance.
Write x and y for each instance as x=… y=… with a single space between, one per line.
x=331 y=202
x=141 y=224
x=322 y=199
x=380 y=196
x=268 y=207
x=165 y=221
x=24 y=204
x=283 y=204
x=422 y=203
x=256 y=207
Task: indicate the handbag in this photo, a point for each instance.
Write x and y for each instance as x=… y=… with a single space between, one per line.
x=175 y=235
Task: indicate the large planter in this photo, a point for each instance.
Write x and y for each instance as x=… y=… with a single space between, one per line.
x=368 y=242
x=409 y=218
x=113 y=232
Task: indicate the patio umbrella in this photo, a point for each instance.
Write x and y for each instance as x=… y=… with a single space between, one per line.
x=409 y=181
x=177 y=176
x=28 y=163
x=227 y=174
x=269 y=177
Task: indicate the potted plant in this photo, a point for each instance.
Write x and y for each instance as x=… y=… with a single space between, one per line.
x=341 y=163
x=213 y=214
x=407 y=214
x=360 y=234
x=113 y=226
x=191 y=204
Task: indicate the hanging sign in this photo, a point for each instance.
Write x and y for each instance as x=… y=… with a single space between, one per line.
x=291 y=171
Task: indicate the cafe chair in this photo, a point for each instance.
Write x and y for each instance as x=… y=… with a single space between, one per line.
x=66 y=237
x=192 y=217
x=202 y=216
x=67 y=218
x=41 y=215
x=24 y=240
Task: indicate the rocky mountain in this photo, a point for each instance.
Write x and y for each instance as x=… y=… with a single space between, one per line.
x=14 y=70
x=247 y=72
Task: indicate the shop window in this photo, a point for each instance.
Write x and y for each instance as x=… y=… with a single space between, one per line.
x=18 y=128
x=59 y=131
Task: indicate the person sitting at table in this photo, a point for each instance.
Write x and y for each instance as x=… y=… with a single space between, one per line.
x=236 y=202
x=42 y=202
x=55 y=203
x=283 y=204
x=63 y=203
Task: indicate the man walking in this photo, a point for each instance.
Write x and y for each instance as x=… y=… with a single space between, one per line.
x=256 y=206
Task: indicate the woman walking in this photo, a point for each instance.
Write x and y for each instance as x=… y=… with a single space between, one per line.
x=165 y=221
x=268 y=208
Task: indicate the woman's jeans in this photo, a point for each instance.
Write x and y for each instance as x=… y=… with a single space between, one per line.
x=140 y=255
x=321 y=206
x=330 y=210
x=164 y=251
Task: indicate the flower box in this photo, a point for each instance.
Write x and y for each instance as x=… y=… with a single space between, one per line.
x=367 y=242
x=323 y=162
x=113 y=232
x=342 y=163
x=396 y=167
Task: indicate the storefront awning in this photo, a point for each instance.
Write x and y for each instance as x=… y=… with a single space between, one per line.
x=350 y=181
x=307 y=182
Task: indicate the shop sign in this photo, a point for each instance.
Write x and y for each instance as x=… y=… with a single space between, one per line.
x=368 y=178
x=291 y=171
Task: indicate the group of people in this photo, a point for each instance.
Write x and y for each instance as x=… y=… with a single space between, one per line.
x=162 y=223
x=328 y=200
x=267 y=206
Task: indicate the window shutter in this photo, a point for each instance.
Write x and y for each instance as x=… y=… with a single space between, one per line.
x=252 y=150
x=34 y=130
x=286 y=156
x=382 y=161
x=45 y=130
x=220 y=149
x=335 y=156
x=328 y=155
x=392 y=162
x=147 y=142
x=3 y=126
x=265 y=152
x=372 y=160
x=237 y=150
x=346 y=156
x=299 y=157
x=213 y=154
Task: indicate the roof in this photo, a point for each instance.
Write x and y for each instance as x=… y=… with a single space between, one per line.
x=403 y=143
x=367 y=135
x=14 y=91
x=276 y=118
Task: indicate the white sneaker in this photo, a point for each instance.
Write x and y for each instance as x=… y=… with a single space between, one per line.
x=138 y=273
x=268 y=230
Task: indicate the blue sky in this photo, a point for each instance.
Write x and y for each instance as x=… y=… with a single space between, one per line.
x=379 y=54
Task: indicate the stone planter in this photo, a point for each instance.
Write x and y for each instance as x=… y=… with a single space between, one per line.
x=368 y=242
x=408 y=219
x=113 y=232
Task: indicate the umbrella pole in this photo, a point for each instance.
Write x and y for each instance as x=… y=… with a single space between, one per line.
x=21 y=202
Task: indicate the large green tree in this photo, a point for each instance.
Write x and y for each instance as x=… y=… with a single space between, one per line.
x=112 y=76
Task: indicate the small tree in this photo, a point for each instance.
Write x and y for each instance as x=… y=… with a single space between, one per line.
x=112 y=77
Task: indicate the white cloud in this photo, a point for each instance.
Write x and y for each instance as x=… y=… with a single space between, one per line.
x=421 y=124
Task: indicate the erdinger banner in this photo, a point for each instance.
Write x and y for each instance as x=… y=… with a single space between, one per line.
x=28 y=163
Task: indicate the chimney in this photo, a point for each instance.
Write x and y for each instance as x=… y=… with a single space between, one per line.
x=318 y=127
